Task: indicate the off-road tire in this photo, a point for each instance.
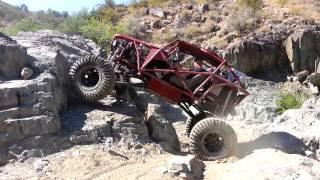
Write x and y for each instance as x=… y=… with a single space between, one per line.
x=189 y=125
x=193 y=121
x=225 y=145
x=99 y=84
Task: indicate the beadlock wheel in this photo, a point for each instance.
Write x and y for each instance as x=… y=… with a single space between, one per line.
x=212 y=139
x=92 y=78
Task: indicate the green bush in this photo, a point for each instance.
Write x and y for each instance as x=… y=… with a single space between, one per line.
x=109 y=15
x=289 y=101
x=27 y=24
x=73 y=24
x=101 y=32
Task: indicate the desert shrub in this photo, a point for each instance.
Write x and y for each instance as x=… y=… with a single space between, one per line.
x=213 y=15
x=242 y=21
x=205 y=1
x=157 y=3
x=186 y=14
x=34 y=21
x=220 y=43
x=192 y=31
x=26 y=24
x=255 y=5
x=168 y=36
x=296 y=10
x=289 y=101
x=136 y=11
x=109 y=15
x=11 y=14
x=102 y=32
x=134 y=29
x=73 y=24
x=282 y=3
x=161 y=3
x=201 y=1
x=209 y=26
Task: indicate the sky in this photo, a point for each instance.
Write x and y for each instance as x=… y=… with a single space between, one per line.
x=59 y=5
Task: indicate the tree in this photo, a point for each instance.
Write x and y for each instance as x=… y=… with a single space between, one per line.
x=24 y=8
x=110 y=3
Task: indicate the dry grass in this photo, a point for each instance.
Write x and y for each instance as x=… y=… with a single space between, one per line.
x=136 y=11
x=209 y=26
x=192 y=31
x=205 y=1
x=255 y=5
x=309 y=9
x=282 y=3
x=305 y=10
x=186 y=14
x=220 y=43
x=242 y=21
x=168 y=36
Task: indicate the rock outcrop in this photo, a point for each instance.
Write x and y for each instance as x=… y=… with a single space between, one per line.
x=30 y=107
x=161 y=129
x=303 y=49
x=303 y=123
x=13 y=58
x=54 y=52
x=263 y=58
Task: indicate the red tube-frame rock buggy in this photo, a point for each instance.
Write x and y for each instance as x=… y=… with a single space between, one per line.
x=214 y=89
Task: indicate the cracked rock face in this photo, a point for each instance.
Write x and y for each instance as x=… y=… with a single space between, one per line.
x=13 y=58
x=261 y=57
x=30 y=107
x=55 y=52
x=303 y=49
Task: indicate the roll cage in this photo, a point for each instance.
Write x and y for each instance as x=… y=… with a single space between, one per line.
x=152 y=64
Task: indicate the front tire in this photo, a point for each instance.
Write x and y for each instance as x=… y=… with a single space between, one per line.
x=212 y=139
x=92 y=78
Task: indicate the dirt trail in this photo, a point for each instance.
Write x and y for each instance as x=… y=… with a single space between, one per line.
x=93 y=162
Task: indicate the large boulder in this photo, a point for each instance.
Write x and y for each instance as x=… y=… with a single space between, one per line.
x=314 y=79
x=157 y=12
x=303 y=49
x=161 y=129
x=263 y=58
x=303 y=123
x=188 y=165
x=30 y=108
x=13 y=58
x=55 y=52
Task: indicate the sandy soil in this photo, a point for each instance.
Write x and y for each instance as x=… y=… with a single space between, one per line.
x=94 y=162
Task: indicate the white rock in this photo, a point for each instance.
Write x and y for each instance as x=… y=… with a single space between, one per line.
x=115 y=153
x=40 y=164
x=26 y=73
x=187 y=164
x=144 y=152
x=162 y=170
x=318 y=155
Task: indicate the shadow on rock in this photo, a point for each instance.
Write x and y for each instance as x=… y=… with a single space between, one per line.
x=282 y=141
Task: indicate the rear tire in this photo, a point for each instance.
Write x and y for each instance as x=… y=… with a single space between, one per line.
x=189 y=125
x=92 y=78
x=212 y=139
